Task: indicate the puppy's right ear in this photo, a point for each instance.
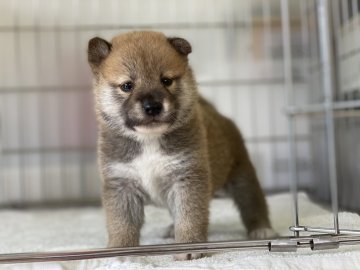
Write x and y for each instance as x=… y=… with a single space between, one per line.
x=98 y=50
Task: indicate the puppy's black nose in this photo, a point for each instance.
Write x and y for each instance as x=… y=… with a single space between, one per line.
x=152 y=108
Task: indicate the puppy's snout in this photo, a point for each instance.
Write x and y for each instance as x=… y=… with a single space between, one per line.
x=152 y=107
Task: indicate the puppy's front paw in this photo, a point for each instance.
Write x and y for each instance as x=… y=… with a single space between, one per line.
x=188 y=256
x=262 y=233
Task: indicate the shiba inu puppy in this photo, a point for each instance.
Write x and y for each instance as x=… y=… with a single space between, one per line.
x=160 y=142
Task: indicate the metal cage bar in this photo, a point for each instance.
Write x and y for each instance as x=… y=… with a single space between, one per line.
x=288 y=84
x=316 y=242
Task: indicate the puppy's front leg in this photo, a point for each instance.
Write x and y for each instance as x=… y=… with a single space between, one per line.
x=124 y=205
x=190 y=210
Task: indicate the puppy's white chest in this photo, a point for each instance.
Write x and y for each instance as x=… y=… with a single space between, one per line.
x=150 y=166
x=152 y=169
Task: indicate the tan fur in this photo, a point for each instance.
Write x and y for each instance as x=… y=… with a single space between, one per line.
x=177 y=159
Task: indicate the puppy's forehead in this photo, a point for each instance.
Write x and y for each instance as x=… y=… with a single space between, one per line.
x=144 y=53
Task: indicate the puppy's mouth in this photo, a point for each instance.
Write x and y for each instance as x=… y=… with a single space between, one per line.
x=152 y=127
x=152 y=124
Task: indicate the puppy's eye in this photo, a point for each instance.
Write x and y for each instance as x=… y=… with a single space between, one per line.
x=166 y=81
x=127 y=87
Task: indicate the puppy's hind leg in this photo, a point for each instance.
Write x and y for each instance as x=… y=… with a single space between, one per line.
x=249 y=198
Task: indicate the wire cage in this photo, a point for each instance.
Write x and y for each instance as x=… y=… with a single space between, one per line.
x=283 y=70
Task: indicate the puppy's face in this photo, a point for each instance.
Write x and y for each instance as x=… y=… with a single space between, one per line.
x=142 y=81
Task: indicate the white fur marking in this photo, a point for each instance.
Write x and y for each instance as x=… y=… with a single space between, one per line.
x=151 y=168
x=107 y=101
x=166 y=105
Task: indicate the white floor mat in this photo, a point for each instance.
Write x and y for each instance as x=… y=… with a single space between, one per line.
x=80 y=228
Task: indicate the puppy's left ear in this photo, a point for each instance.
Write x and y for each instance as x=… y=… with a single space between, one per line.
x=98 y=50
x=181 y=45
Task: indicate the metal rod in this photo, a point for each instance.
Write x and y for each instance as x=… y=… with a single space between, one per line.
x=168 y=249
x=321 y=107
x=326 y=57
x=133 y=251
x=323 y=230
x=349 y=192
x=288 y=84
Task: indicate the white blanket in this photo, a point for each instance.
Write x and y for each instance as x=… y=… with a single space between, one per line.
x=49 y=230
